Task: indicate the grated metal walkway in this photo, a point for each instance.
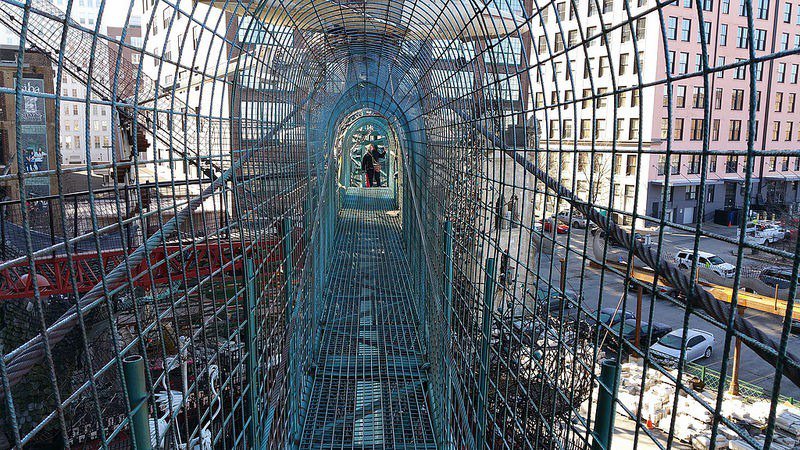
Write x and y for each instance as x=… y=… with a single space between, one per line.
x=369 y=390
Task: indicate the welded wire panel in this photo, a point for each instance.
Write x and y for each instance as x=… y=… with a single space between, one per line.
x=572 y=180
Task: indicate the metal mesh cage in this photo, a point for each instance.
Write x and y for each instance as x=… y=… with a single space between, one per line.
x=581 y=230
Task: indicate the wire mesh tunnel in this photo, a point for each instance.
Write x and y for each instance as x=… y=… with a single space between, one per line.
x=399 y=224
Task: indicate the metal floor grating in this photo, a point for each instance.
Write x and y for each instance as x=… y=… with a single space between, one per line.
x=369 y=387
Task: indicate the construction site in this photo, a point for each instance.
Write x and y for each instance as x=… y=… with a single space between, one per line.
x=399 y=224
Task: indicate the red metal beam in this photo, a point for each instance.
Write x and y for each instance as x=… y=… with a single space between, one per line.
x=54 y=275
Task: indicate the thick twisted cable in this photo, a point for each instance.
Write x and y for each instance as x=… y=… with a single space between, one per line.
x=764 y=346
x=20 y=361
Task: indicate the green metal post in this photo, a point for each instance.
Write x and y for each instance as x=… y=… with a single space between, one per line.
x=288 y=271
x=448 y=309
x=252 y=359
x=133 y=369
x=604 y=414
x=483 y=380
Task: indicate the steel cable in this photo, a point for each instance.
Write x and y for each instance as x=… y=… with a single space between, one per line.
x=762 y=344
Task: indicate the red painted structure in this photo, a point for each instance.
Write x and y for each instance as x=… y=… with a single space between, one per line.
x=54 y=276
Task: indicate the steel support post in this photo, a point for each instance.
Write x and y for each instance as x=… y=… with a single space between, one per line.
x=250 y=341
x=448 y=311
x=483 y=379
x=604 y=414
x=133 y=369
x=288 y=273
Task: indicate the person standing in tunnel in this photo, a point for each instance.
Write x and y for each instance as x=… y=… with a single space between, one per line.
x=371 y=165
x=368 y=166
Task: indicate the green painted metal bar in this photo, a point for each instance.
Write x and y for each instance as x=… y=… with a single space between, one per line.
x=483 y=383
x=133 y=369
x=448 y=309
x=288 y=271
x=604 y=413
x=250 y=341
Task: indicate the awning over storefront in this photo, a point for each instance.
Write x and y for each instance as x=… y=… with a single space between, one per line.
x=782 y=176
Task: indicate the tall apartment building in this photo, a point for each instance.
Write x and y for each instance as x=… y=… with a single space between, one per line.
x=175 y=34
x=616 y=122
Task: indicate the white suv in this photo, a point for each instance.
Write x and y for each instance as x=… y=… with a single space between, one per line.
x=710 y=261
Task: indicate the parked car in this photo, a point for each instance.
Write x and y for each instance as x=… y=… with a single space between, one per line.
x=699 y=344
x=659 y=331
x=576 y=220
x=612 y=316
x=710 y=261
x=561 y=228
x=780 y=276
x=552 y=301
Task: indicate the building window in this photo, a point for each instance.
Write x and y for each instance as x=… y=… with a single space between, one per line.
x=686 y=29
x=732 y=164
x=726 y=6
x=778 y=101
x=760 y=39
x=683 y=63
x=697 y=130
x=787 y=12
x=640 y=28
x=681 y=97
x=785 y=163
x=572 y=38
x=706 y=32
x=723 y=34
x=793 y=76
x=599 y=128
x=715 y=130
x=710 y=193
x=586 y=128
x=790 y=103
x=567 y=129
x=735 y=132
x=672 y=28
x=776 y=130
x=626 y=34
x=741 y=37
x=698 y=96
x=608 y=6
x=630 y=166
x=694 y=164
x=784 y=41
x=553 y=133
x=675 y=165
x=763 y=9
x=781 y=72
x=671 y=61
x=720 y=63
x=772 y=162
x=633 y=130
x=661 y=166
x=712 y=163
x=758 y=100
x=740 y=70
x=718 y=98
x=678 y=130
x=664 y=129
x=623 y=63
x=691 y=192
